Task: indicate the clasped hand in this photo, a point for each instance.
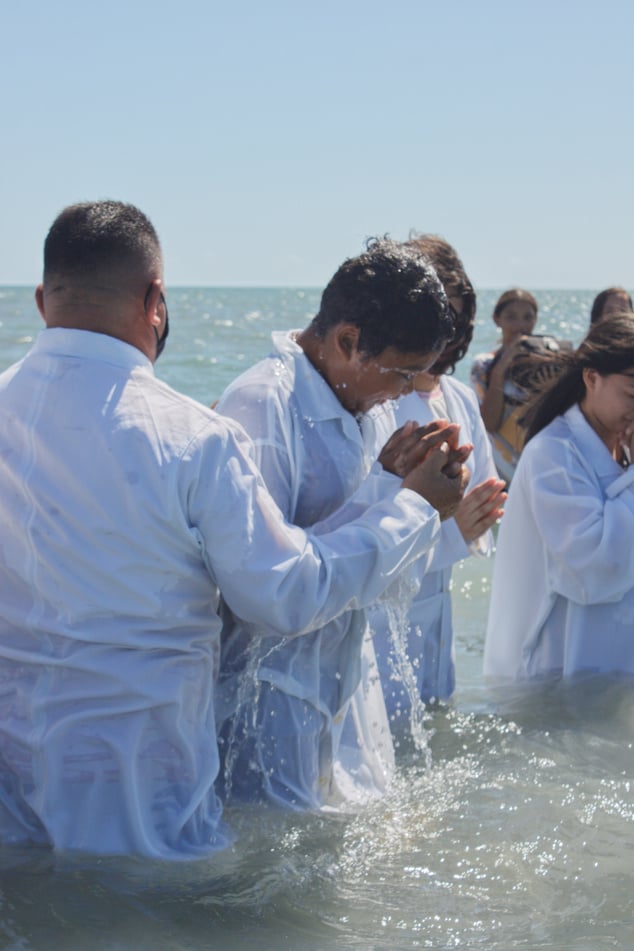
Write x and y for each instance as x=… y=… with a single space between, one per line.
x=430 y=461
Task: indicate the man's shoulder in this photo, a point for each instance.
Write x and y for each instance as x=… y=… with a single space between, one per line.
x=184 y=420
x=7 y=375
x=276 y=379
x=165 y=396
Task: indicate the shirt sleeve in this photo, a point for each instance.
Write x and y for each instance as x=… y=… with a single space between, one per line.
x=586 y=532
x=377 y=484
x=483 y=469
x=258 y=410
x=451 y=546
x=274 y=574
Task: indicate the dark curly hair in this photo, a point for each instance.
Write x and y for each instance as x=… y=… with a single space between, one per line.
x=454 y=279
x=393 y=295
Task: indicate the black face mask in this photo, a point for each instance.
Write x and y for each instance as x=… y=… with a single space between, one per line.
x=160 y=341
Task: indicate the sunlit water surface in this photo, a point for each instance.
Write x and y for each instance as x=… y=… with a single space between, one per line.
x=515 y=830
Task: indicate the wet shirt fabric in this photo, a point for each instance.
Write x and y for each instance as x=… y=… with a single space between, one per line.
x=508 y=440
x=415 y=644
x=562 y=601
x=313 y=457
x=125 y=507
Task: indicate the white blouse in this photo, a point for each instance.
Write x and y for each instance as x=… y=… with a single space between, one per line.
x=562 y=600
x=313 y=456
x=427 y=634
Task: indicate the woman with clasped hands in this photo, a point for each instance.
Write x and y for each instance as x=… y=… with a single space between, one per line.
x=562 y=601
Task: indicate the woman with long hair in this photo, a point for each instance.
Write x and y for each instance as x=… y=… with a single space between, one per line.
x=562 y=601
x=613 y=300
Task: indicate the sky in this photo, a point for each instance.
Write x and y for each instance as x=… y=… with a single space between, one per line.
x=268 y=139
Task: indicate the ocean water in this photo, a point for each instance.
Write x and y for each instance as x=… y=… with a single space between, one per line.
x=517 y=831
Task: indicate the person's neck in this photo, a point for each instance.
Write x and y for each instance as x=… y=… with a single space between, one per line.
x=320 y=352
x=315 y=349
x=98 y=322
x=610 y=439
x=426 y=383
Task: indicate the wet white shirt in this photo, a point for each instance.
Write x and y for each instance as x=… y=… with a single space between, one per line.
x=422 y=630
x=125 y=507
x=562 y=601
x=313 y=457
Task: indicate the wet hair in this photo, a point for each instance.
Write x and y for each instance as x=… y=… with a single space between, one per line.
x=393 y=295
x=601 y=299
x=512 y=295
x=93 y=238
x=608 y=348
x=454 y=279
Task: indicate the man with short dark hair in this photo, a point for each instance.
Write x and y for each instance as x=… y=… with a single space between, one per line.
x=126 y=508
x=383 y=318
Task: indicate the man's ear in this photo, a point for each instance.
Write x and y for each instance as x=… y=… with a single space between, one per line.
x=152 y=300
x=39 y=300
x=347 y=340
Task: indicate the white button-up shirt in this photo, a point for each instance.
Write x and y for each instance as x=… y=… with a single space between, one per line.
x=427 y=634
x=125 y=507
x=562 y=600
x=314 y=458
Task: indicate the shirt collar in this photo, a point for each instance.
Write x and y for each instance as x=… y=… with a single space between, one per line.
x=318 y=398
x=67 y=342
x=591 y=444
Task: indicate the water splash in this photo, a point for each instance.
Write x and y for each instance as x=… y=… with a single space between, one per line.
x=244 y=720
x=396 y=608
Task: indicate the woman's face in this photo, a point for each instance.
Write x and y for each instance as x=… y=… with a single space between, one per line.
x=609 y=403
x=516 y=319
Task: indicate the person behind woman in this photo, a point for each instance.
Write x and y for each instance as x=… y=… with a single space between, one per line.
x=501 y=400
x=613 y=300
x=437 y=395
x=383 y=317
x=562 y=601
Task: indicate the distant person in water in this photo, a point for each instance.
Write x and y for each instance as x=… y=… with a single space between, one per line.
x=427 y=634
x=127 y=511
x=383 y=318
x=613 y=300
x=500 y=398
x=562 y=601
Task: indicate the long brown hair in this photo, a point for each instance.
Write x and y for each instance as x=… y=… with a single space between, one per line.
x=608 y=348
x=600 y=301
x=455 y=280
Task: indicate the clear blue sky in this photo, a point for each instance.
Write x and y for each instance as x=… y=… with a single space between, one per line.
x=267 y=139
